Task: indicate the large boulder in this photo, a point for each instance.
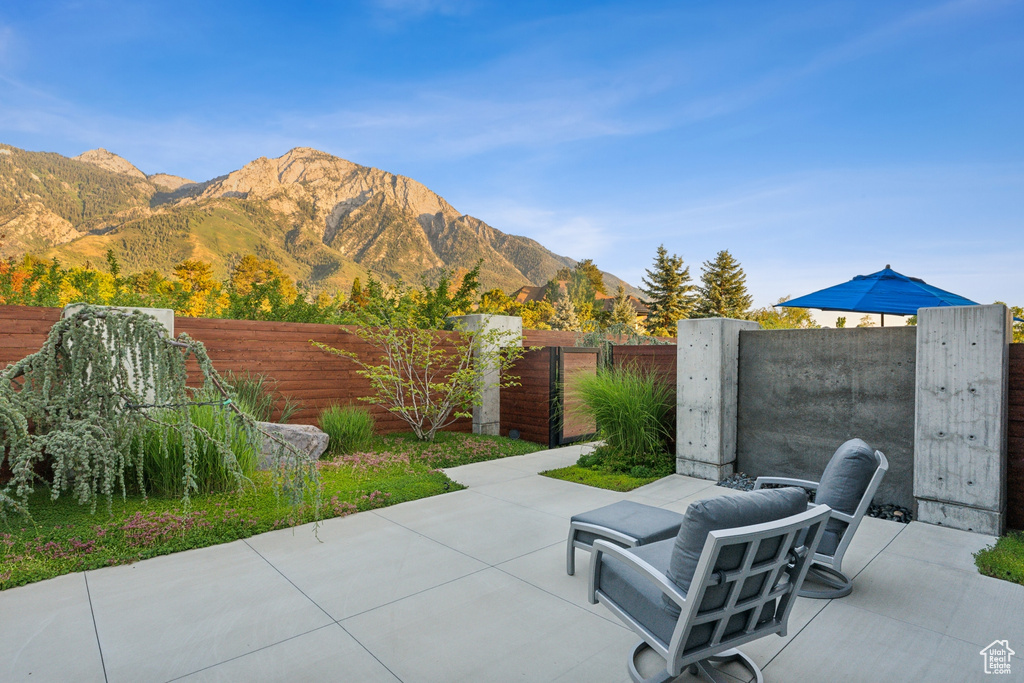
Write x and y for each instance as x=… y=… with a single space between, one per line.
x=306 y=439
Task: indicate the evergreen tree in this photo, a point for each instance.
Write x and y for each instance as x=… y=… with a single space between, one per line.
x=356 y=295
x=565 y=317
x=669 y=293
x=587 y=269
x=623 y=312
x=583 y=282
x=723 y=289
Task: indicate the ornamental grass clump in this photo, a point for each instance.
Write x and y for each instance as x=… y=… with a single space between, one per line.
x=80 y=406
x=215 y=467
x=258 y=396
x=350 y=428
x=634 y=415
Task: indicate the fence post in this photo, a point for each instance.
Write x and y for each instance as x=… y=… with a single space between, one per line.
x=487 y=415
x=707 y=365
x=960 y=426
x=164 y=316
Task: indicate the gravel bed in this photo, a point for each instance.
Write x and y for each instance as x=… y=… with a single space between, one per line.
x=896 y=513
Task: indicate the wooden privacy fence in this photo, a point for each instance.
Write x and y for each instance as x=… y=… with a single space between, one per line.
x=280 y=351
x=1015 y=447
x=659 y=360
x=532 y=409
x=541 y=409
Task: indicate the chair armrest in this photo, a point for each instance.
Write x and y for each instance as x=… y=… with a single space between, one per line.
x=842 y=516
x=663 y=583
x=786 y=481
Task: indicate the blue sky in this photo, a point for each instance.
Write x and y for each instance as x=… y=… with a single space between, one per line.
x=815 y=140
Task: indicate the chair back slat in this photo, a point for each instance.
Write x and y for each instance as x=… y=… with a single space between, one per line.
x=743 y=585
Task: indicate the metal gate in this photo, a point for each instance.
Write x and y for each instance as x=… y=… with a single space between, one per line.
x=568 y=424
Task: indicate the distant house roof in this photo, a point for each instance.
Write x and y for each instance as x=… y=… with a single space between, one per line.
x=608 y=303
x=528 y=293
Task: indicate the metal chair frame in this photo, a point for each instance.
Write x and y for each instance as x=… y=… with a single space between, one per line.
x=784 y=573
x=827 y=569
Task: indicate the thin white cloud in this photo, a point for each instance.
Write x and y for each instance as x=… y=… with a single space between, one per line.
x=569 y=234
x=957 y=226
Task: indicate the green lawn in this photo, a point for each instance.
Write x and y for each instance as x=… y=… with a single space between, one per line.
x=1005 y=559
x=614 y=481
x=63 y=537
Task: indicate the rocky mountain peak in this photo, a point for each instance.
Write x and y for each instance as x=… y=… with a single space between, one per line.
x=110 y=162
x=327 y=180
x=169 y=183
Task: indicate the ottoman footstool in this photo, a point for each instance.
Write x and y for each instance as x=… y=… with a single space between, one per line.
x=625 y=523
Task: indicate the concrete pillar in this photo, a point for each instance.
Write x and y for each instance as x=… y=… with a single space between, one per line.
x=487 y=415
x=164 y=316
x=961 y=416
x=706 y=388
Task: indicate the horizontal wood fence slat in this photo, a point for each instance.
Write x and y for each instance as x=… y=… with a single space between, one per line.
x=526 y=408
x=1015 y=445
x=280 y=351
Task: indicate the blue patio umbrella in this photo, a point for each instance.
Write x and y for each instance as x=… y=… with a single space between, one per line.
x=883 y=292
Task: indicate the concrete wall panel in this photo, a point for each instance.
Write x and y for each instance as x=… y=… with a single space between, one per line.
x=961 y=428
x=804 y=392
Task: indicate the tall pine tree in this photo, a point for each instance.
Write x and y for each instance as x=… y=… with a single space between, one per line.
x=723 y=289
x=669 y=293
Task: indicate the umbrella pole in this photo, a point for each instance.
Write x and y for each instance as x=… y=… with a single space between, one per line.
x=883 y=320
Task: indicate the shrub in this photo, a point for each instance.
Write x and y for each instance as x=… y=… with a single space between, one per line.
x=349 y=428
x=634 y=414
x=258 y=396
x=430 y=378
x=225 y=455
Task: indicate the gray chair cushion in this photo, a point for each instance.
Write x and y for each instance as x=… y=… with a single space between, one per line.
x=645 y=523
x=727 y=512
x=638 y=596
x=842 y=485
x=643 y=601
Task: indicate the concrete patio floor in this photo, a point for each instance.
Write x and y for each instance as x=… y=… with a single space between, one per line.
x=471 y=586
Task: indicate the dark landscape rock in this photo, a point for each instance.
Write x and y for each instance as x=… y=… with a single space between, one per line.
x=896 y=513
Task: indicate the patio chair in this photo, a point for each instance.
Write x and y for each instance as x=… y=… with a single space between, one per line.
x=729 y=577
x=847 y=486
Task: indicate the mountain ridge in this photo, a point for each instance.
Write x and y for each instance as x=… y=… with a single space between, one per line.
x=327 y=220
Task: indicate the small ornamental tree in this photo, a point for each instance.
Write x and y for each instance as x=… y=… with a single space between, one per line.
x=564 y=317
x=623 y=312
x=81 y=402
x=430 y=378
x=784 y=317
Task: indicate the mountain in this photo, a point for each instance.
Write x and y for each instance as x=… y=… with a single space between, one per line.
x=324 y=219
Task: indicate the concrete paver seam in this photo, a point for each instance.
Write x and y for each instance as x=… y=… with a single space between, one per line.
x=882 y=550
x=95 y=626
x=285 y=577
x=818 y=613
x=570 y=602
x=250 y=652
x=320 y=607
